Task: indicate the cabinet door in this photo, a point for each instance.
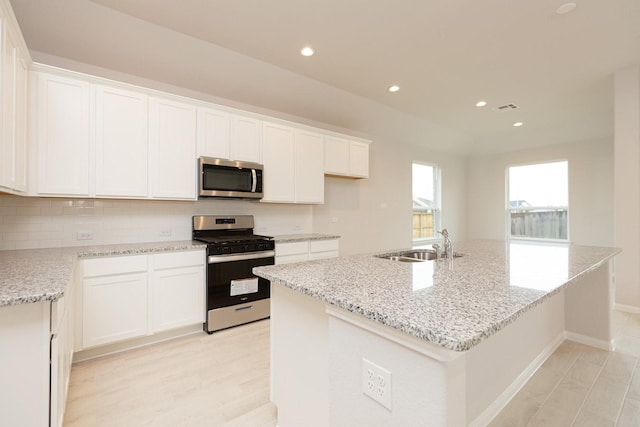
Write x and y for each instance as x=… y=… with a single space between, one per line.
x=20 y=152
x=336 y=156
x=246 y=136
x=13 y=143
x=63 y=136
x=359 y=159
x=114 y=308
x=214 y=133
x=309 y=167
x=178 y=298
x=121 y=143
x=173 y=149
x=61 y=357
x=278 y=159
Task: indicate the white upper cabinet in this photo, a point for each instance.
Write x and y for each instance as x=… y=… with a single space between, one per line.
x=13 y=144
x=63 y=137
x=121 y=143
x=309 y=167
x=359 y=159
x=344 y=157
x=278 y=158
x=172 y=149
x=214 y=133
x=246 y=137
x=293 y=164
x=98 y=138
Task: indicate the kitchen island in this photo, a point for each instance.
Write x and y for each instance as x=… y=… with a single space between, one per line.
x=448 y=343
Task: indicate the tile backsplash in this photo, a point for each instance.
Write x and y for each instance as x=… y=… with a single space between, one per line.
x=35 y=222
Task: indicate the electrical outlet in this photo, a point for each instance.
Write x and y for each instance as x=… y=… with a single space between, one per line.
x=376 y=383
x=84 y=235
x=165 y=233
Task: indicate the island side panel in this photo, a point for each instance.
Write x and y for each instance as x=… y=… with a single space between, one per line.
x=500 y=365
x=299 y=370
x=425 y=390
x=589 y=308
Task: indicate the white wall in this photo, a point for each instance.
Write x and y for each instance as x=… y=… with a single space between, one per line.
x=590 y=190
x=33 y=222
x=375 y=214
x=627 y=187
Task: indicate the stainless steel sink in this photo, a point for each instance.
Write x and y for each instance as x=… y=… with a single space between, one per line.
x=415 y=255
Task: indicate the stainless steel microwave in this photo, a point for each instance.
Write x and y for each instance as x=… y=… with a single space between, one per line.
x=229 y=179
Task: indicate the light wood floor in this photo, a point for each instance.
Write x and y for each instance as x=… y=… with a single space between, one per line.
x=199 y=380
x=223 y=380
x=583 y=386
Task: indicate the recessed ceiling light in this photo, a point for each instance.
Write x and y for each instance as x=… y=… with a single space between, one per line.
x=394 y=88
x=518 y=124
x=565 y=8
x=481 y=103
x=306 y=51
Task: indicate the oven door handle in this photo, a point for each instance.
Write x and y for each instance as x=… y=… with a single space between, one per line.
x=216 y=259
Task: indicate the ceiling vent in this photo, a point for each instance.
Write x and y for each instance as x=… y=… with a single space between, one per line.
x=506 y=107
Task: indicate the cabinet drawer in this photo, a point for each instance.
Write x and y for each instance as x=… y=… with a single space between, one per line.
x=292 y=248
x=178 y=259
x=324 y=245
x=114 y=265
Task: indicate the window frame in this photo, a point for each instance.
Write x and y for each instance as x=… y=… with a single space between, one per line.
x=437 y=194
x=508 y=208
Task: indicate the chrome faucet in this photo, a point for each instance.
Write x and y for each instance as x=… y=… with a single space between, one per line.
x=448 y=247
x=436 y=247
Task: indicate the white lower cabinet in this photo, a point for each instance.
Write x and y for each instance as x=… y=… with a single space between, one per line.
x=127 y=297
x=287 y=252
x=114 y=306
x=178 y=290
x=62 y=323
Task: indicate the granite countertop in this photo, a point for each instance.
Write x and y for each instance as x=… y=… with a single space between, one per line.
x=453 y=305
x=33 y=275
x=288 y=238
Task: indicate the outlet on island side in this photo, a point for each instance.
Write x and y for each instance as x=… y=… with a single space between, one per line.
x=376 y=383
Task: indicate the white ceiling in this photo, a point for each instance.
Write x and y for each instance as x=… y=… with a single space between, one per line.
x=445 y=55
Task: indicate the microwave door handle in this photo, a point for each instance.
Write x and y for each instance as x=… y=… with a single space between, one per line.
x=254 y=180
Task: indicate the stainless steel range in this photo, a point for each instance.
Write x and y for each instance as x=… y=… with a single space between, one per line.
x=234 y=294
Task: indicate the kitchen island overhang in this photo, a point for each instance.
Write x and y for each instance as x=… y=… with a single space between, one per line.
x=459 y=340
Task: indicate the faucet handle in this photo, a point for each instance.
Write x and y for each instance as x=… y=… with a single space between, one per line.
x=444 y=232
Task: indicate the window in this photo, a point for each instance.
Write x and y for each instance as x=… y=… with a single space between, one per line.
x=426 y=201
x=538 y=201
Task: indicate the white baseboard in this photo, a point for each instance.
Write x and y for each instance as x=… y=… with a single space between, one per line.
x=499 y=404
x=593 y=342
x=107 y=349
x=628 y=308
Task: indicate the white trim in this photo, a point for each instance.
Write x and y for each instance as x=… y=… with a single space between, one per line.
x=593 y=342
x=628 y=308
x=505 y=397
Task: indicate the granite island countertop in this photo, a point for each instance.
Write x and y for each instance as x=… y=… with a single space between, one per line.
x=32 y=275
x=453 y=305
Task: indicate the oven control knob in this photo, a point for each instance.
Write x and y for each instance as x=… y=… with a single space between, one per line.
x=260 y=246
x=226 y=250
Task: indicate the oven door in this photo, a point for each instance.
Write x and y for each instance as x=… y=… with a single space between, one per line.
x=230 y=280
